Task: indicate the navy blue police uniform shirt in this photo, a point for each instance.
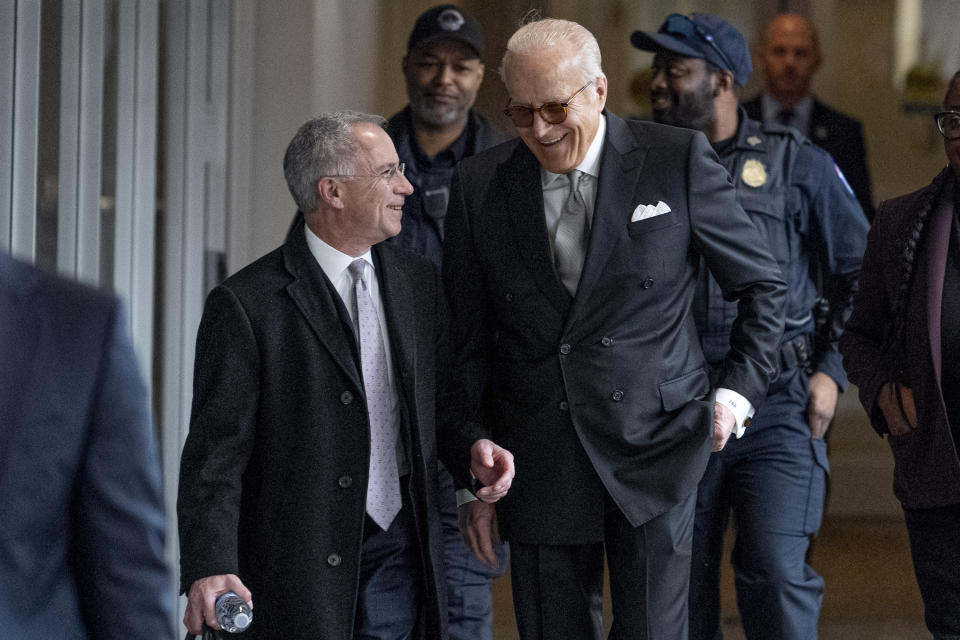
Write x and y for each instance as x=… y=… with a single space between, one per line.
x=795 y=193
x=424 y=210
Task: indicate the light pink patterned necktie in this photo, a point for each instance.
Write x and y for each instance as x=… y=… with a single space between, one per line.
x=383 y=488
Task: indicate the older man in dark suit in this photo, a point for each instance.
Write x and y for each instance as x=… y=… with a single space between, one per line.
x=308 y=481
x=81 y=521
x=570 y=262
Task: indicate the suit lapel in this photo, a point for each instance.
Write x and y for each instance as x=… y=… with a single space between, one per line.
x=317 y=300
x=398 y=296
x=620 y=168
x=941 y=220
x=398 y=292
x=523 y=197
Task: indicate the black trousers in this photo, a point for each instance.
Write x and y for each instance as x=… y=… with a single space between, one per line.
x=558 y=589
x=935 y=547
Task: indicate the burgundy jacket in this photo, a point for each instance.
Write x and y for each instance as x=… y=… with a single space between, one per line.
x=927 y=472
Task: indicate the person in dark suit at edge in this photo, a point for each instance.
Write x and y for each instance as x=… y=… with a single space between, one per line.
x=570 y=260
x=901 y=348
x=789 y=56
x=443 y=70
x=82 y=524
x=308 y=482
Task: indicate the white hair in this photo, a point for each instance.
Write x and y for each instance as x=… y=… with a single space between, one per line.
x=547 y=33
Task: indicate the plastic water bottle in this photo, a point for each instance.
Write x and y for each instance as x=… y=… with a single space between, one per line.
x=233 y=613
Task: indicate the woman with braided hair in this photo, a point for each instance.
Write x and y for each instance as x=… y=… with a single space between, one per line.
x=901 y=347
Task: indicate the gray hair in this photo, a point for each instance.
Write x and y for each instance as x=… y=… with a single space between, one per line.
x=540 y=34
x=324 y=146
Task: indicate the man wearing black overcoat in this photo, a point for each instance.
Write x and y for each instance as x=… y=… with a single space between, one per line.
x=308 y=481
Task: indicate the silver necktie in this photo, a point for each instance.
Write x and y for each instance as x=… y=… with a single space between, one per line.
x=570 y=244
x=383 y=488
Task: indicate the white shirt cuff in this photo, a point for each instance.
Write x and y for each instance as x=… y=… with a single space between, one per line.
x=464 y=496
x=741 y=407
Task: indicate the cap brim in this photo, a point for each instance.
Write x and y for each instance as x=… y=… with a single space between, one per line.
x=661 y=41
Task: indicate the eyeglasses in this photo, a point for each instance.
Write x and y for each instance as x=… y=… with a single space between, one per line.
x=387 y=175
x=551 y=112
x=948 y=122
x=678 y=24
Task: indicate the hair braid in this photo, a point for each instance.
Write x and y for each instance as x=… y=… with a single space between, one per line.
x=915 y=233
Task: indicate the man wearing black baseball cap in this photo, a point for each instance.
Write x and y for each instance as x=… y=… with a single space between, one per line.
x=773 y=479
x=438 y=128
x=443 y=69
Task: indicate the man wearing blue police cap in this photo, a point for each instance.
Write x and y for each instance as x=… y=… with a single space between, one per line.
x=773 y=479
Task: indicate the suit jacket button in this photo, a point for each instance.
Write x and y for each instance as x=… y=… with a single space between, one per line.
x=345 y=482
x=508 y=297
x=564 y=349
x=617 y=395
x=346 y=397
x=334 y=560
x=563 y=405
x=606 y=341
x=646 y=284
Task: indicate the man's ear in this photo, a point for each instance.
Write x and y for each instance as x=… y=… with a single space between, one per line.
x=330 y=191
x=600 y=86
x=405 y=64
x=725 y=82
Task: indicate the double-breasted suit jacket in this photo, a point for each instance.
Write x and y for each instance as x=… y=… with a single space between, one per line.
x=607 y=390
x=274 y=470
x=927 y=472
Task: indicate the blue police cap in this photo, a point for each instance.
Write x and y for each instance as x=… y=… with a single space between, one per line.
x=704 y=36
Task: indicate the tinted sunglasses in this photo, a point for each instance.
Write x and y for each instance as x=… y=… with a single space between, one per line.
x=551 y=112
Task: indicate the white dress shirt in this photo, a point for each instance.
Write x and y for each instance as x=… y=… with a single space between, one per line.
x=556 y=188
x=335 y=266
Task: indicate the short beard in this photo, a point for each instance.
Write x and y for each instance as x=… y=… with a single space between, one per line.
x=691 y=111
x=435 y=116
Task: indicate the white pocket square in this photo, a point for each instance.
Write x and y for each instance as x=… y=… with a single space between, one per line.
x=644 y=211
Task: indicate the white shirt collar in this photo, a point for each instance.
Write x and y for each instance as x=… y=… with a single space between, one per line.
x=591 y=161
x=333 y=262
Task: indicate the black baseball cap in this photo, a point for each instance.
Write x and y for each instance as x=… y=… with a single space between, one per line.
x=703 y=36
x=447 y=21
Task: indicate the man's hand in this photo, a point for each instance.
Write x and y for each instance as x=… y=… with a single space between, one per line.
x=723 y=424
x=492 y=465
x=202 y=598
x=899 y=421
x=478 y=526
x=824 y=394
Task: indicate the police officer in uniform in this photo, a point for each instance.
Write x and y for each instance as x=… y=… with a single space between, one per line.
x=443 y=69
x=773 y=478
